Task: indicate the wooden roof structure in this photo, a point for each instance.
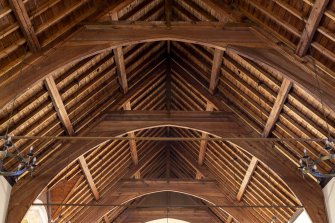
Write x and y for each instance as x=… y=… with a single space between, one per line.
x=168 y=68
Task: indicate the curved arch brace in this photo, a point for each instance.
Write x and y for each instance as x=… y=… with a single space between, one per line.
x=307 y=191
x=93 y=39
x=127 y=191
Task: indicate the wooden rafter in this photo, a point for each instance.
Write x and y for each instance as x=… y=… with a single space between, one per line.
x=277 y=107
x=58 y=104
x=216 y=70
x=247 y=177
x=25 y=24
x=311 y=26
x=88 y=177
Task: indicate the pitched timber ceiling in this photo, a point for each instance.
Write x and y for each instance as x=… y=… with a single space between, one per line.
x=61 y=74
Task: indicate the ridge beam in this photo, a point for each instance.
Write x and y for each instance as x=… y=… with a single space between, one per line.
x=89 y=177
x=277 y=107
x=25 y=25
x=58 y=104
x=311 y=26
x=247 y=177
